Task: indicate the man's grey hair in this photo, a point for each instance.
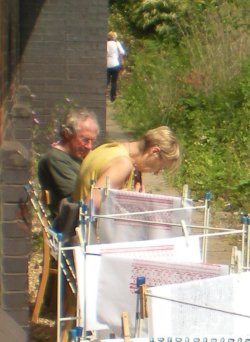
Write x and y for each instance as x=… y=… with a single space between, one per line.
x=73 y=117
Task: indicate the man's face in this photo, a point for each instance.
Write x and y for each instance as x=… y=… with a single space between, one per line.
x=82 y=142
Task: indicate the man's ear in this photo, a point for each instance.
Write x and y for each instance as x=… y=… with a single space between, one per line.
x=68 y=133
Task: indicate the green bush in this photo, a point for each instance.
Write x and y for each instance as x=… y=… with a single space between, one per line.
x=201 y=89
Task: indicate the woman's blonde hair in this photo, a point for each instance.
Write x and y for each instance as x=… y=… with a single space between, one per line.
x=112 y=35
x=164 y=138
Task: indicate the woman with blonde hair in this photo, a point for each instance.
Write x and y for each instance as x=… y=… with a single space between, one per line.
x=115 y=53
x=158 y=149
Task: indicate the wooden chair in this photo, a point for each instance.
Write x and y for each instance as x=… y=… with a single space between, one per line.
x=49 y=248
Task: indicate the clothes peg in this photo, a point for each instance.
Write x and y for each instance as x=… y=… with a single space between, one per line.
x=185 y=192
x=185 y=230
x=125 y=326
x=107 y=186
x=143 y=301
x=233 y=264
x=139 y=282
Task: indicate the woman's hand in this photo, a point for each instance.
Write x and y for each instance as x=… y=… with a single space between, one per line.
x=139 y=187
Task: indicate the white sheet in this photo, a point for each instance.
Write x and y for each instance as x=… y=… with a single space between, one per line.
x=117 y=284
x=227 y=293
x=89 y=298
x=178 y=248
x=161 y=250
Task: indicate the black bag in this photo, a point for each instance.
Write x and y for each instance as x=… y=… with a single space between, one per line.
x=67 y=219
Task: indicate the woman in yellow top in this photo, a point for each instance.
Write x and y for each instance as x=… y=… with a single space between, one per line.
x=158 y=149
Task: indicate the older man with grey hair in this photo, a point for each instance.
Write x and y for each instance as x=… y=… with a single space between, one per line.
x=59 y=167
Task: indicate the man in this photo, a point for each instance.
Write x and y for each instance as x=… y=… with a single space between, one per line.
x=59 y=167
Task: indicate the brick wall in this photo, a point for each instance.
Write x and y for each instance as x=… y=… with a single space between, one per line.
x=64 y=54
x=15 y=160
x=14 y=172
x=9 y=55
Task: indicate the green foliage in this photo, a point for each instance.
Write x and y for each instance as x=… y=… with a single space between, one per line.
x=37 y=242
x=158 y=18
x=201 y=89
x=148 y=92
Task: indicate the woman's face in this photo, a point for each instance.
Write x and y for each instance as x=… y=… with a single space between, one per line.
x=151 y=161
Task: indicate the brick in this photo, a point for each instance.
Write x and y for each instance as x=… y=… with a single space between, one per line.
x=13 y=193
x=14 y=300
x=21 y=122
x=15 y=176
x=14 y=158
x=21 y=111
x=10 y=212
x=15 y=230
x=17 y=265
x=24 y=134
x=15 y=282
x=14 y=212
x=45 y=69
x=16 y=247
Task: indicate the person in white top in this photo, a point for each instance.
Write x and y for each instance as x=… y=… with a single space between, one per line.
x=115 y=53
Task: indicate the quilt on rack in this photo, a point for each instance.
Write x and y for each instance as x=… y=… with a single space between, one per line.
x=154 y=225
x=117 y=283
x=164 y=249
x=112 y=269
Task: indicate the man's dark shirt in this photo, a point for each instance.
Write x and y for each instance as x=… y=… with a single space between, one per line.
x=57 y=173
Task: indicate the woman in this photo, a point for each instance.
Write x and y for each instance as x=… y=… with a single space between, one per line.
x=115 y=53
x=157 y=150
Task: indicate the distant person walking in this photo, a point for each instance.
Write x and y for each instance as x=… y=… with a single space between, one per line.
x=115 y=54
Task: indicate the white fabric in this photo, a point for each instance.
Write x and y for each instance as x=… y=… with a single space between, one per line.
x=89 y=297
x=227 y=293
x=177 y=249
x=166 y=249
x=185 y=338
x=117 y=284
x=131 y=340
x=114 y=48
x=159 y=225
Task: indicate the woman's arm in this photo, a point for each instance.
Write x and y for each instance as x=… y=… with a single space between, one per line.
x=118 y=172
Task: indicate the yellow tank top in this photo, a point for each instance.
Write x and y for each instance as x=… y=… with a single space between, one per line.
x=94 y=163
